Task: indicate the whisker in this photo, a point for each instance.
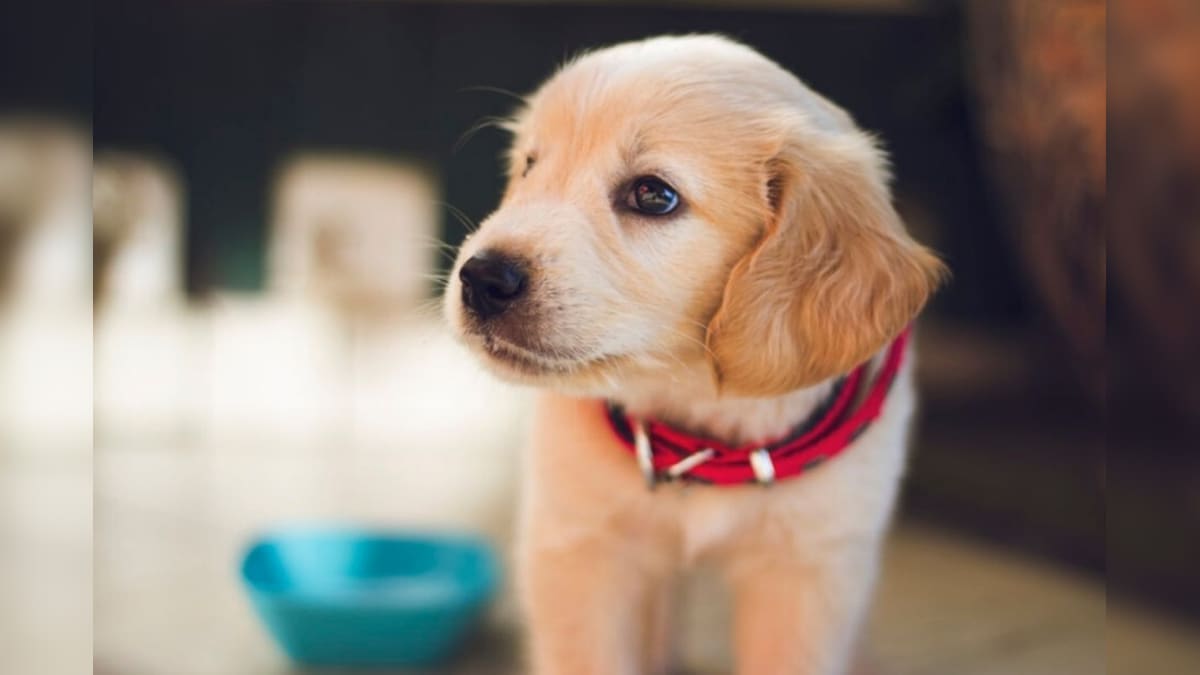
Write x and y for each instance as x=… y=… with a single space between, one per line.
x=434 y=242
x=463 y=219
x=430 y=308
x=494 y=90
x=448 y=256
x=491 y=121
x=440 y=281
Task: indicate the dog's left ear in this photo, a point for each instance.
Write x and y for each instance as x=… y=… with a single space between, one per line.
x=833 y=279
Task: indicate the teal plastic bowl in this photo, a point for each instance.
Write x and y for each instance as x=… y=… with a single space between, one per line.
x=333 y=596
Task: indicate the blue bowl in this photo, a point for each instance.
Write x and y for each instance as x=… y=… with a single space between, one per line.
x=350 y=597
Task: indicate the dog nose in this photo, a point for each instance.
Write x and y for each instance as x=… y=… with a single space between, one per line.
x=491 y=282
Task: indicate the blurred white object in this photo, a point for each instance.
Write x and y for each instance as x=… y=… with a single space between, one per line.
x=46 y=382
x=416 y=387
x=137 y=216
x=356 y=233
x=151 y=380
x=45 y=312
x=149 y=349
x=437 y=437
x=276 y=372
x=391 y=425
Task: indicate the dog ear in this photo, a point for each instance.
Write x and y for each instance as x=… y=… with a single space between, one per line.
x=833 y=279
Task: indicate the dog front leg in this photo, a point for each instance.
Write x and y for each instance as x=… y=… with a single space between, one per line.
x=657 y=645
x=800 y=620
x=585 y=606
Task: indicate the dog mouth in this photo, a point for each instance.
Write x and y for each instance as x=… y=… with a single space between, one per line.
x=526 y=360
x=532 y=362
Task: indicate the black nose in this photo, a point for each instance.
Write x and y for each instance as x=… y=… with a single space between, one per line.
x=491 y=282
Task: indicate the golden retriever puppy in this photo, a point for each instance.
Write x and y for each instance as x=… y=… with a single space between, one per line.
x=698 y=262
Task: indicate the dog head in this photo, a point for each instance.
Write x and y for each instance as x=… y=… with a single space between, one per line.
x=683 y=203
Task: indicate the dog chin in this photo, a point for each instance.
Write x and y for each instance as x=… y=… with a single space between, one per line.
x=518 y=365
x=514 y=362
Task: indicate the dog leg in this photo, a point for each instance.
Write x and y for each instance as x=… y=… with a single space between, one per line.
x=801 y=620
x=657 y=647
x=584 y=606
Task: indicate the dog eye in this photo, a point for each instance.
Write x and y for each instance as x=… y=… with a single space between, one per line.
x=653 y=197
x=529 y=160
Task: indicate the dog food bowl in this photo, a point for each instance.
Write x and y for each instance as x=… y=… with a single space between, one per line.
x=334 y=596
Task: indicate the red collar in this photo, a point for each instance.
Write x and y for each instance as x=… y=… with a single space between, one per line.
x=669 y=454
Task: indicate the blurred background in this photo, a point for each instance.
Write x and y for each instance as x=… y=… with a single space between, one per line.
x=269 y=191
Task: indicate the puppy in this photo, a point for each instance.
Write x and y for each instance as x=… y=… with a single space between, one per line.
x=696 y=257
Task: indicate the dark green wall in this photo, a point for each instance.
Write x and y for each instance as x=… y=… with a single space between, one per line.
x=228 y=90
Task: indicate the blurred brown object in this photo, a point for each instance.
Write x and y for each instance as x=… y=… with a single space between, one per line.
x=1040 y=73
x=35 y=165
x=136 y=229
x=1154 y=230
x=1154 y=223
x=355 y=233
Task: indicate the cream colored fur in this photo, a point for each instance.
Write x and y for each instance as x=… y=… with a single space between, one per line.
x=785 y=267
